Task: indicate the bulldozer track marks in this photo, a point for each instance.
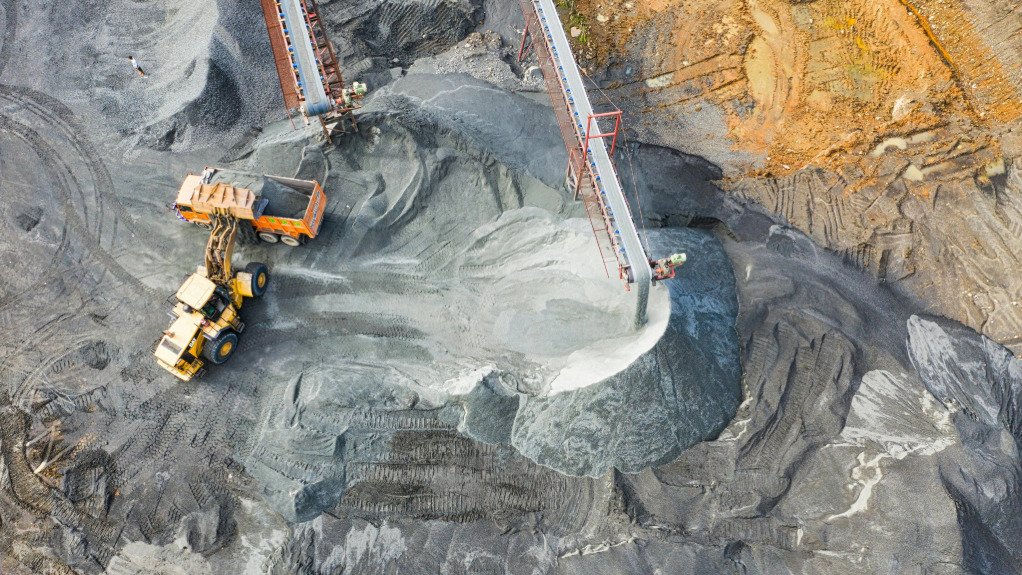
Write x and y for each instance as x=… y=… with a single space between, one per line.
x=38 y=499
x=414 y=463
x=342 y=324
x=350 y=280
x=439 y=474
x=82 y=402
x=181 y=419
x=369 y=420
x=368 y=324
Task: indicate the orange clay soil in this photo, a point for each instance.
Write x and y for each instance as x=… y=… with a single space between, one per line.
x=819 y=83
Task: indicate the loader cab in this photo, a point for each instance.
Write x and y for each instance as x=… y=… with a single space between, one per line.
x=216 y=304
x=197 y=293
x=202 y=313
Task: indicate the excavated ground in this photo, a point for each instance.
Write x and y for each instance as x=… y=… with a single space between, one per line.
x=396 y=405
x=887 y=131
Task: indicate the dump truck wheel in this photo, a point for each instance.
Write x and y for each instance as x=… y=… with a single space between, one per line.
x=220 y=349
x=268 y=237
x=260 y=277
x=289 y=241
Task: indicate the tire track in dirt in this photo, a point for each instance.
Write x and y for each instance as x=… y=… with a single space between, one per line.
x=67 y=183
x=42 y=366
x=81 y=253
x=54 y=114
x=53 y=271
x=28 y=112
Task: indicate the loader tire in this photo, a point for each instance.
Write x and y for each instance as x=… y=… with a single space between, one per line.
x=260 y=277
x=219 y=349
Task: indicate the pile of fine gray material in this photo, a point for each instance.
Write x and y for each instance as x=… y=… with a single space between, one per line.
x=317 y=421
x=857 y=451
x=206 y=82
x=285 y=201
x=486 y=362
x=375 y=36
x=486 y=56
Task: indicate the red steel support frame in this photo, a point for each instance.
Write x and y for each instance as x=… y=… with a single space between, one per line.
x=281 y=59
x=525 y=39
x=577 y=143
x=333 y=80
x=591 y=136
x=326 y=59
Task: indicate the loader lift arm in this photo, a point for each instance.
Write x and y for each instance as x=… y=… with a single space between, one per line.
x=220 y=247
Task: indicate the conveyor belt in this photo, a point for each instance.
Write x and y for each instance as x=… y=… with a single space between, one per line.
x=606 y=181
x=304 y=57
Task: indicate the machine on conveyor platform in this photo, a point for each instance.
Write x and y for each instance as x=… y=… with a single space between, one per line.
x=307 y=66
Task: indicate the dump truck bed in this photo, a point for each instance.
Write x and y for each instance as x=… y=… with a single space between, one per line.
x=274 y=204
x=286 y=197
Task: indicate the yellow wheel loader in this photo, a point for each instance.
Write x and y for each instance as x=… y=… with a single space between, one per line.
x=206 y=325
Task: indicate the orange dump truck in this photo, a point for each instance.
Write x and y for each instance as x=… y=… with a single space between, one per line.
x=282 y=209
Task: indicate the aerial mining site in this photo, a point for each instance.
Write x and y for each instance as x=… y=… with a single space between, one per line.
x=499 y=287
